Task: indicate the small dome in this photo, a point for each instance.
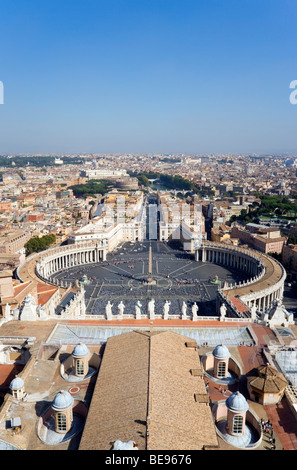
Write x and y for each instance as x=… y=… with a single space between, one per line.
x=62 y=401
x=16 y=383
x=237 y=403
x=80 y=350
x=221 y=352
x=119 y=445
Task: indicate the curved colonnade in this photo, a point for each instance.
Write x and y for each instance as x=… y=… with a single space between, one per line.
x=265 y=285
x=57 y=259
x=44 y=265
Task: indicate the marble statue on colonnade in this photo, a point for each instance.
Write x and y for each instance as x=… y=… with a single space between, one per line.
x=184 y=310
x=223 y=311
x=195 y=309
x=151 y=308
x=166 y=309
x=254 y=311
x=121 y=308
x=51 y=308
x=108 y=310
x=41 y=311
x=138 y=310
x=7 y=311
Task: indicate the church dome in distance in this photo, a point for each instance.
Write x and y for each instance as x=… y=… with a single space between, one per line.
x=237 y=403
x=80 y=350
x=221 y=352
x=62 y=401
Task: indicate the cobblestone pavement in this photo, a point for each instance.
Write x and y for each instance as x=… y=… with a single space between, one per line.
x=124 y=274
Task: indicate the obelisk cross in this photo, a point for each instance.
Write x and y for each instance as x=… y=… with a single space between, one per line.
x=150 y=266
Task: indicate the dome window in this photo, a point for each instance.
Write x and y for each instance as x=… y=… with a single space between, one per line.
x=237 y=424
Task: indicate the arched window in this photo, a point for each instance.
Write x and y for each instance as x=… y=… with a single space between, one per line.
x=80 y=369
x=61 y=422
x=221 y=369
x=237 y=424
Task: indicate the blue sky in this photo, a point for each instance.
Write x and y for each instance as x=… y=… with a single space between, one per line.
x=168 y=76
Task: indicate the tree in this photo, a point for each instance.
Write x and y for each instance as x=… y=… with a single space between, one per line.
x=91 y=188
x=36 y=244
x=143 y=180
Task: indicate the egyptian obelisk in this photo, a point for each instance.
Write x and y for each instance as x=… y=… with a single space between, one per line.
x=150 y=265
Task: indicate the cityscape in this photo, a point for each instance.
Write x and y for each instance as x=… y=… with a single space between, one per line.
x=148 y=299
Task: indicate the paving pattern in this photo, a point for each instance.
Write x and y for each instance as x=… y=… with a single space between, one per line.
x=178 y=278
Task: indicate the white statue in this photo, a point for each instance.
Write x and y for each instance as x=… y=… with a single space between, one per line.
x=7 y=311
x=138 y=310
x=254 y=311
x=51 y=307
x=108 y=310
x=184 y=310
x=223 y=311
x=195 y=309
x=151 y=308
x=41 y=311
x=166 y=309
x=121 y=308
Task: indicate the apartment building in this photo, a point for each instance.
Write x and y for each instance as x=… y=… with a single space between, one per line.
x=14 y=242
x=259 y=237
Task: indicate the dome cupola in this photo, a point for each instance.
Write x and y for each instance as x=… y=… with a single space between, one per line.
x=80 y=350
x=16 y=383
x=62 y=401
x=221 y=352
x=17 y=388
x=236 y=403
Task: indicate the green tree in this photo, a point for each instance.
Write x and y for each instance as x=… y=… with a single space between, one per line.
x=36 y=244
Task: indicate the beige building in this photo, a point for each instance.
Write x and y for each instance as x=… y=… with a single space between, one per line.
x=267 y=386
x=259 y=237
x=14 y=242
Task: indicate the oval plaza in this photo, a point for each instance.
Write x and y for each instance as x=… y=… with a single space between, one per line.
x=237 y=277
